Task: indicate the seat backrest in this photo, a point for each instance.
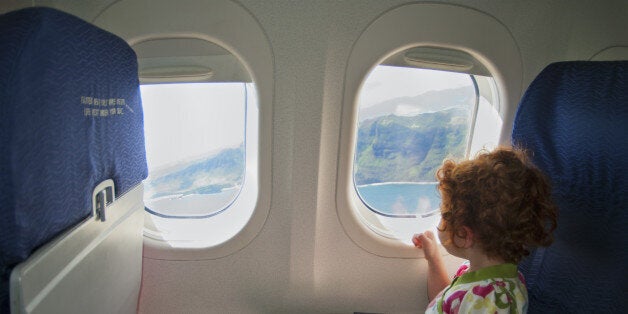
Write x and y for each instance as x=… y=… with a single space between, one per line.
x=71 y=118
x=573 y=119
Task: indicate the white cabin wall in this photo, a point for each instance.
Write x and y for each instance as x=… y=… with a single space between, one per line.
x=314 y=266
x=551 y=31
x=328 y=273
x=302 y=261
x=599 y=27
x=299 y=242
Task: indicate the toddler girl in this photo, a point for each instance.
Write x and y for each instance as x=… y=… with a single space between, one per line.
x=494 y=209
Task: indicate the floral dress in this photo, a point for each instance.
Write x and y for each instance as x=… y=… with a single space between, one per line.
x=494 y=289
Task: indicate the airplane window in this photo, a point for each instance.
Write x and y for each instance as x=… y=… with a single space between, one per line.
x=410 y=119
x=195 y=145
x=413 y=98
x=207 y=91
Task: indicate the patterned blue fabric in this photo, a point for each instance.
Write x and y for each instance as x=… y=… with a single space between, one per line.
x=71 y=117
x=574 y=119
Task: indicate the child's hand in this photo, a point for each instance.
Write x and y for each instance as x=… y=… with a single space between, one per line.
x=437 y=278
x=427 y=242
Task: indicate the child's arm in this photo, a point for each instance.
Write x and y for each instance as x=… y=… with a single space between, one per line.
x=437 y=278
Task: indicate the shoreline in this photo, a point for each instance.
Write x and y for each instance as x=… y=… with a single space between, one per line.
x=399 y=183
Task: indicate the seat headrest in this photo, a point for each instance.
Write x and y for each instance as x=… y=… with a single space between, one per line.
x=573 y=120
x=71 y=118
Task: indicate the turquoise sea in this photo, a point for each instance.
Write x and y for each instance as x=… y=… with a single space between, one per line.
x=400 y=199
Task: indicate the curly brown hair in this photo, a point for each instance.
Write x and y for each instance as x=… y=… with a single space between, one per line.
x=503 y=198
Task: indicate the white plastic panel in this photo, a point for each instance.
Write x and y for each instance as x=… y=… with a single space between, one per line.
x=95 y=267
x=138 y=21
x=417 y=25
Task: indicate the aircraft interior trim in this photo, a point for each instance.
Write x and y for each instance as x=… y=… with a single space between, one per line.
x=280 y=156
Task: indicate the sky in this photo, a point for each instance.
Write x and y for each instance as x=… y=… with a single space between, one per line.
x=202 y=118
x=386 y=82
x=193 y=119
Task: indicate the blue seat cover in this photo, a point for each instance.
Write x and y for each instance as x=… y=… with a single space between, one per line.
x=71 y=117
x=574 y=120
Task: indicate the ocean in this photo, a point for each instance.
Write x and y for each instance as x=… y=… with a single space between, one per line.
x=400 y=199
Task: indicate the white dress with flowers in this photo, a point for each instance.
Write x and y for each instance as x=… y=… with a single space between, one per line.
x=494 y=289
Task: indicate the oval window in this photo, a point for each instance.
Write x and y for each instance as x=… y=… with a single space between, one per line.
x=195 y=96
x=195 y=147
x=416 y=109
x=409 y=121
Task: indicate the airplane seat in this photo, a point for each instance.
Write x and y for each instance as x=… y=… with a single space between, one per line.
x=71 y=121
x=573 y=120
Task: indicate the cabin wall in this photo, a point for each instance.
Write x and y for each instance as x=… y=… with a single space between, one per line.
x=302 y=261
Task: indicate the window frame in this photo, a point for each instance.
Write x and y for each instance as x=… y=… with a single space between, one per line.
x=244 y=38
x=407 y=26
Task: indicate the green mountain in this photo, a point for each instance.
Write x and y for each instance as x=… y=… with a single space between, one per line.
x=409 y=148
x=204 y=176
x=391 y=148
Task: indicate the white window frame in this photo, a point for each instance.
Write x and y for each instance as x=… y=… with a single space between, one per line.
x=241 y=35
x=399 y=29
